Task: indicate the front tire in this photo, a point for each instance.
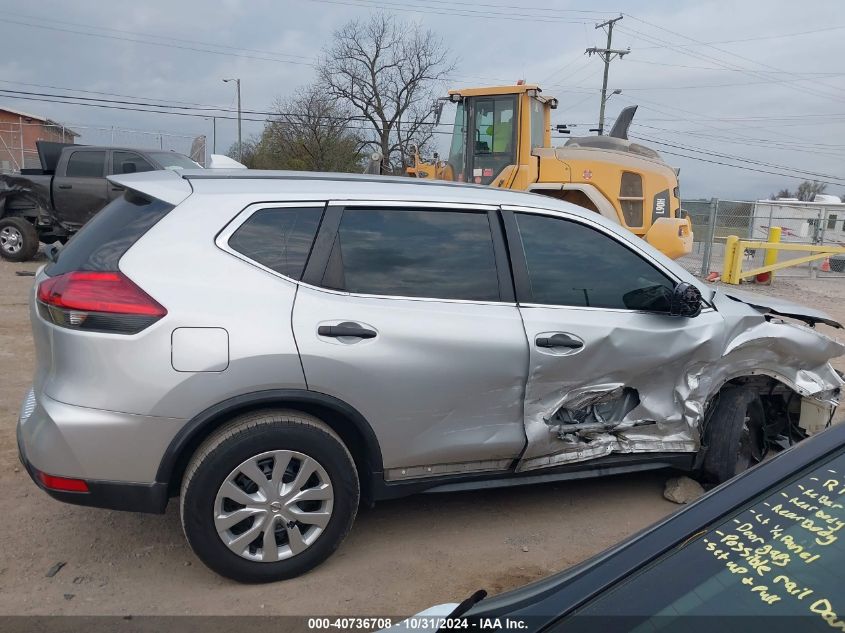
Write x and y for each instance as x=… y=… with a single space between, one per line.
x=735 y=434
x=18 y=239
x=269 y=496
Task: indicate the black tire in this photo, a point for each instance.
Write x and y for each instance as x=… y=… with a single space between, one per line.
x=241 y=439
x=734 y=437
x=18 y=239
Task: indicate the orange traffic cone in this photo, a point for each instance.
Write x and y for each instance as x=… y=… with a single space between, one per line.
x=825 y=267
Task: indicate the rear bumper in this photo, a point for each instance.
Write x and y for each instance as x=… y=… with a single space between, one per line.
x=112 y=495
x=115 y=454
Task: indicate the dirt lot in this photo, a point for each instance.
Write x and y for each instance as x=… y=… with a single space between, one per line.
x=401 y=557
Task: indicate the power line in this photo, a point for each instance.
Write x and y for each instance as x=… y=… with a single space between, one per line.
x=453 y=3
x=468 y=13
x=272 y=116
x=97 y=92
x=762 y=171
x=809 y=148
x=151 y=43
x=750 y=161
x=736 y=55
x=154 y=36
x=562 y=68
x=753 y=39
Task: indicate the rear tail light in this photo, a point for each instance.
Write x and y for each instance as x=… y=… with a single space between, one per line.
x=64 y=484
x=97 y=301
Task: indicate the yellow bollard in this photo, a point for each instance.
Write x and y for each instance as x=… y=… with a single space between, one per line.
x=728 y=263
x=771 y=256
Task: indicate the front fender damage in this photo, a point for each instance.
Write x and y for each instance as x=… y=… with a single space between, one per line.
x=627 y=411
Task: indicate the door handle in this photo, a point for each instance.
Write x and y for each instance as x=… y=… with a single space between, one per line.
x=346 y=329
x=65 y=186
x=559 y=340
x=118 y=189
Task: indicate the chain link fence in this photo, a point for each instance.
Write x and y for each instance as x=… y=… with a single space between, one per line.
x=812 y=223
x=18 y=150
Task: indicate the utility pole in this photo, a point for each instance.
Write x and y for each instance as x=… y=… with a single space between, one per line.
x=214 y=135
x=240 y=144
x=607 y=55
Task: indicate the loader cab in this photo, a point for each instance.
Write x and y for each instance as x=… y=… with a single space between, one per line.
x=494 y=131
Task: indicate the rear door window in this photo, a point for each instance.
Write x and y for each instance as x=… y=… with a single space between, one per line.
x=86 y=164
x=439 y=254
x=278 y=238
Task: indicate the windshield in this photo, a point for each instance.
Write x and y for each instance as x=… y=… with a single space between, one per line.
x=172 y=160
x=782 y=556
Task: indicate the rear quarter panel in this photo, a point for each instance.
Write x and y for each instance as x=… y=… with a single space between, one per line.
x=201 y=286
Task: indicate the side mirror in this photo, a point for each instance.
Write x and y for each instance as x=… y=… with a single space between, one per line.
x=128 y=167
x=686 y=301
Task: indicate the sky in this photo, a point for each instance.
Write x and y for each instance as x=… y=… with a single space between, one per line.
x=757 y=84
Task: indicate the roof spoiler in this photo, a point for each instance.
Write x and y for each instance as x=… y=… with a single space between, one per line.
x=623 y=122
x=163 y=184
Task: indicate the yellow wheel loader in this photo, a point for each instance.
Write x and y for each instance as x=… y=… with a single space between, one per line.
x=502 y=138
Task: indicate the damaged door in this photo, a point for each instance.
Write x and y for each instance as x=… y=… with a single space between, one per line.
x=607 y=362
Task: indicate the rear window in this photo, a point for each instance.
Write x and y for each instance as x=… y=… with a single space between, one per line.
x=279 y=238
x=101 y=243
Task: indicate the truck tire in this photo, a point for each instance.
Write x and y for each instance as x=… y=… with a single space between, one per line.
x=734 y=437
x=18 y=239
x=268 y=496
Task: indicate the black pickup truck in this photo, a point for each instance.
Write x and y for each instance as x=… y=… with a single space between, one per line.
x=52 y=203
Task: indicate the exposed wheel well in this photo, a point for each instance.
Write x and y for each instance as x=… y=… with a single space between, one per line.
x=342 y=419
x=20 y=206
x=781 y=403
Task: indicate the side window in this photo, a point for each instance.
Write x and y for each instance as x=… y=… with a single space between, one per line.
x=86 y=165
x=631 y=198
x=129 y=163
x=278 y=238
x=538 y=123
x=573 y=265
x=414 y=253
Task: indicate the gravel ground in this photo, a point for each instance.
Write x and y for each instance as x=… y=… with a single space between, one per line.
x=401 y=557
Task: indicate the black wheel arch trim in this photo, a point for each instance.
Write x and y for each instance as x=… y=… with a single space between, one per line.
x=192 y=433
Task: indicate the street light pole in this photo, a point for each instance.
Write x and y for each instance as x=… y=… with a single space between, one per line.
x=240 y=143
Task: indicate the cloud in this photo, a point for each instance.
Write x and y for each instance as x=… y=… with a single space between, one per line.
x=681 y=104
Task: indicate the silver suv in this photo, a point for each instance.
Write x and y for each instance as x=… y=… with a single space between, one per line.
x=275 y=348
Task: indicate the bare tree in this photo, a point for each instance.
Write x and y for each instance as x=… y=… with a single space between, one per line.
x=386 y=70
x=311 y=132
x=807 y=190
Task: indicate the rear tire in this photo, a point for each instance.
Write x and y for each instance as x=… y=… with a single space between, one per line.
x=18 y=239
x=294 y=518
x=735 y=435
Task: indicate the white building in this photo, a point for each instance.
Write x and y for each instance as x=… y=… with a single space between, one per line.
x=819 y=221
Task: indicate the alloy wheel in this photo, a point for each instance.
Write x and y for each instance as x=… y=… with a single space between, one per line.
x=11 y=240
